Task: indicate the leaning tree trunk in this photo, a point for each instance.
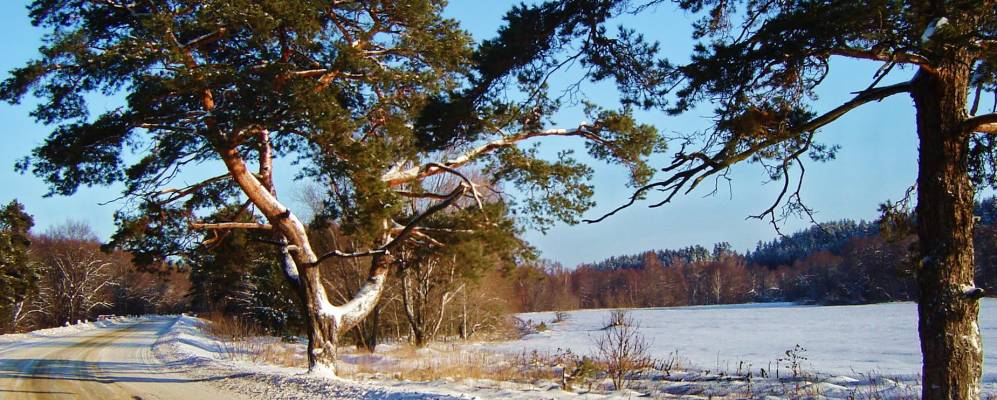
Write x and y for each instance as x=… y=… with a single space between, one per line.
x=948 y=304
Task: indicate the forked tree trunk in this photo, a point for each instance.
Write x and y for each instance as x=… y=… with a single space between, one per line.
x=326 y=322
x=948 y=305
x=323 y=329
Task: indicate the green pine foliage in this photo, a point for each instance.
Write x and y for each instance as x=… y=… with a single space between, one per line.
x=349 y=90
x=18 y=273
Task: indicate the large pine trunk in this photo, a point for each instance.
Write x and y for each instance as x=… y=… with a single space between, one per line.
x=327 y=322
x=948 y=306
x=323 y=330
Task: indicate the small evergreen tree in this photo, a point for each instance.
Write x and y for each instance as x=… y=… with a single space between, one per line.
x=18 y=273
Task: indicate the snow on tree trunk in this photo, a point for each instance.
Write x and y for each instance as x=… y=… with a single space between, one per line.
x=951 y=345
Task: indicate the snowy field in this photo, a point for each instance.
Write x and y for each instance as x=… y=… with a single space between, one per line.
x=846 y=340
x=853 y=352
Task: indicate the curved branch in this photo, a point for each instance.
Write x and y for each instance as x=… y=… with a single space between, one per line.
x=986 y=123
x=728 y=155
x=467 y=181
x=405 y=232
x=396 y=176
x=795 y=156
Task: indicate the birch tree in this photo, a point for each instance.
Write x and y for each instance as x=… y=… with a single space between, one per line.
x=369 y=98
x=76 y=279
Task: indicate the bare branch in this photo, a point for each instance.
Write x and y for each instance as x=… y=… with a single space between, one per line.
x=795 y=156
x=865 y=54
x=205 y=38
x=396 y=176
x=176 y=194
x=424 y=195
x=699 y=166
x=976 y=99
x=406 y=231
x=986 y=123
x=427 y=238
x=230 y=225
x=467 y=181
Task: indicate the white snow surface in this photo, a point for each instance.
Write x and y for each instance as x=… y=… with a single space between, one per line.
x=847 y=347
x=849 y=350
x=879 y=338
x=69 y=330
x=186 y=343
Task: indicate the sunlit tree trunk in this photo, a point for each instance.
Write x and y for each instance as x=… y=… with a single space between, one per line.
x=948 y=305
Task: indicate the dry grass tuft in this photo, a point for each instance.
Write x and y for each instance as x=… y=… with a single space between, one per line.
x=243 y=341
x=411 y=363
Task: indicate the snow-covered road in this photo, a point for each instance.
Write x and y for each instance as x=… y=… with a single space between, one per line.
x=111 y=362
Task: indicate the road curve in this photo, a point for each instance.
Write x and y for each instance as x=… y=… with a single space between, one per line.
x=104 y=363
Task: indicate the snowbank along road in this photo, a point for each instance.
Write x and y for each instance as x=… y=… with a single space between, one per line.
x=115 y=362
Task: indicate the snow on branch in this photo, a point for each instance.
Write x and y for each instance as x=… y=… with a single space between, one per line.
x=129 y=7
x=230 y=225
x=397 y=176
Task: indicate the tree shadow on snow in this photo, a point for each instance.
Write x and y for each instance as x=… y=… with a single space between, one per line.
x=94 y=371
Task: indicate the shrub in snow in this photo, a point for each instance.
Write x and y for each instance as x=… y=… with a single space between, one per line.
x=623 y=349
x=560 y=316
x=618 y=317
x=581 y=369
x=793 y=360
x=528 y=327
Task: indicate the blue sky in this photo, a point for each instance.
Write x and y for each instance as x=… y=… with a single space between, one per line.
x=877 y=160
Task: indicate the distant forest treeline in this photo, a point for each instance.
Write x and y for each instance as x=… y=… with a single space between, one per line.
x=840 y=262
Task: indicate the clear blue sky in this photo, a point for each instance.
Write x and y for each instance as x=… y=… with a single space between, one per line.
x=877 y=160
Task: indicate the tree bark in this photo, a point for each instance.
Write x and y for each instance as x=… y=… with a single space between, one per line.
x=325 y=321
x=323 y=329
x=948 y=307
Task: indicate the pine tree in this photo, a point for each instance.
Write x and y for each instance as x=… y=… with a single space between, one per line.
x=370 y=97
x=18 y=273
x=758 y=64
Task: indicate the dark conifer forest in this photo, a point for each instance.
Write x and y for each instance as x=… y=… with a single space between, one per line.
x=833 y=263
